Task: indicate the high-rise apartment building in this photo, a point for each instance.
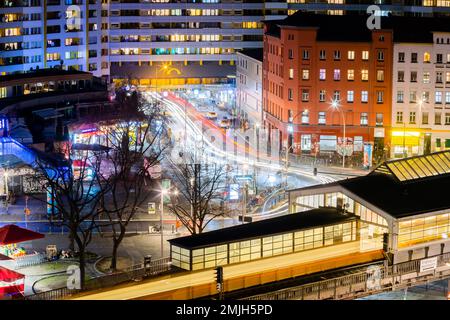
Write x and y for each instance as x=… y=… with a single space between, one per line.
x=177 y=41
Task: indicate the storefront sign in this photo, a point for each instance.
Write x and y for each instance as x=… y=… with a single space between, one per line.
x=378 y=133
x=151 y=208
x=327 y=143
x=166 y=186
x=234 y=191
x=428 y=264
x=367 y=155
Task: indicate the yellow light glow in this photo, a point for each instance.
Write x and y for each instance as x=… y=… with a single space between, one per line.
x=407 y=133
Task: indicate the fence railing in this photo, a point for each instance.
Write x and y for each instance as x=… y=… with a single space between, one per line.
x=139 y=271
x=361 y=283
x=29 y=260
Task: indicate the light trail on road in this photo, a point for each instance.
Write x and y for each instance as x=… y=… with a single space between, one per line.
x=179 y=114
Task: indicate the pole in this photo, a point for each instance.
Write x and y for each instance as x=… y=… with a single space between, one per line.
x=161 y=213
x=244 y=198
x=345 y=142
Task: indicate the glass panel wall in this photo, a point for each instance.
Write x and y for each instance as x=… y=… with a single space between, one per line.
x=270 y=246
x=180 y=257
x=338 y=199
x=421 y=230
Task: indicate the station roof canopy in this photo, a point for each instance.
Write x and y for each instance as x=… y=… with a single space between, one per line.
x=287 y=223
x=404 y=187
x=419 y=167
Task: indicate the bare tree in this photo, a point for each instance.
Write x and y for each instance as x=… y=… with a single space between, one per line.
x=201 y=194
x=75 y=194
x=137 y=145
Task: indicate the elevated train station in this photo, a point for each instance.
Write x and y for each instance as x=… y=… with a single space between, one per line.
x=395 y=218
x=407 y=198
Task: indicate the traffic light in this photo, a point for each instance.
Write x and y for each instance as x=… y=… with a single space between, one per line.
x=219 y=275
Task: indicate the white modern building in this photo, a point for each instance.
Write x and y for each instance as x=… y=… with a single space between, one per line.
x=37 y=34
x=178 y=41
x=249 y=86
x=421 y=96
x=182 y=42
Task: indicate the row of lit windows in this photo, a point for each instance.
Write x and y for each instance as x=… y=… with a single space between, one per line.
x=364 y=73
x=423 y=229
x=426 y=76
x=335 y=200
x=425 y=98
x=265 y=247
x=159 y=51
x=305 y=96
x=414 y=57
x=425 y=118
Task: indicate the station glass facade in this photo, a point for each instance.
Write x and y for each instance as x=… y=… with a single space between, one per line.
x=264 y=247
x=372 y=225
x=421 y=230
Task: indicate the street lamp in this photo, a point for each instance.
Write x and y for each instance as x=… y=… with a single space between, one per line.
x=161 y=213
x=336 y=106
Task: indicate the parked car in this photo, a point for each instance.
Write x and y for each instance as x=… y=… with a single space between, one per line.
x=211 y=115
x=225 y=123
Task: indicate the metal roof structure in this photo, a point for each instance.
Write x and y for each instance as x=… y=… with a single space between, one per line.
x=417 y=167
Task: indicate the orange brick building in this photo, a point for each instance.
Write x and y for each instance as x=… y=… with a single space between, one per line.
x=312 y=60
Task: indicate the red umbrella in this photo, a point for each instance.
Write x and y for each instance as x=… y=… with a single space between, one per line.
x=14 y=234
x=7 y=275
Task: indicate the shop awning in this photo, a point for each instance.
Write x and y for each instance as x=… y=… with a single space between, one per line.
x=7 y=275
x=3 y=257
x=11 y=283
x=15 y=234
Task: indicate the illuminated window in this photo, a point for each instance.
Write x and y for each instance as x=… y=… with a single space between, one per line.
x=322 y=74
x=365 y=75
x=426 y=57
x=350 y=96
x=305 y=74
x=351 y=55
x=380 y=75
x=350 y=74
x=337 y=74
x=365 y=55
x=364 y=96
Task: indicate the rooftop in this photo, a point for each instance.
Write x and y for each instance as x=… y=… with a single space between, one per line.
x=287 y=223
x=353 y=27
x=49 y=72
x=404 y=187
x=256 y=53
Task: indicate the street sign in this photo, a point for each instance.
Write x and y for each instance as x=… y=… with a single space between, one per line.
x=234 y=191
x=244 y=177
x=428 y=264
x=151 y=208
x=166 y=187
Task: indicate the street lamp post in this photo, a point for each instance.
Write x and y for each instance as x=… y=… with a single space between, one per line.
x=336 y=106
x=161 y=214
